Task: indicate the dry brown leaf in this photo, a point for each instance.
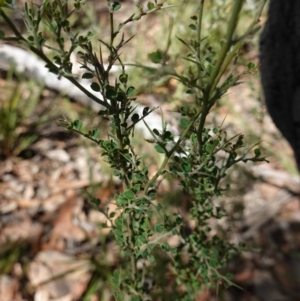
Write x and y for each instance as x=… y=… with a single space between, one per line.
x=63 y=226
x=9 y=289
x=59 y=275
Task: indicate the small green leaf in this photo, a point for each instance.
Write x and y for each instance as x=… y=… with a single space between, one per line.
x=121 y=200
x=145 y=111
x=167 y=136
x=194 y=138
x=210 y=68
x=190 y=91
x=119 y=236
x=112 y=214
x=135 y=118
x=159 y=228
x=123 y=78
x=126 y=141
x=182 y=41
x=120 y=96
x=130 y=91
x=135 y=298
x=116 y=273
x=193 y=26
x=137 y=187
x=87 y=75
x=103 y=112
x=115 y=278
x=173 y=250
x=209 y=148
x=251 y=65
x=41 y=41
x=178 y=220
x=77 y=124
x=2 y=34
x=159 y=149
x=95 y=133
x=110 y=92
x=57 y=59
x=128 y=194
x=186 y=167
x=257 y=152
x=95 y=87
x=115 y=6
x=150 y=5
x=149 y=214
x=142 y=239
x=156 y=57
x=96 y=201
x=194 y=18
x=165 y=246
x=118 y=222
x=116 y=173
x=143 y=253
x=156 y=132
x=184 y=123
x=151 y=259
x=242 y=244
x=152 y=194
x=175 y=232
x=139 y=177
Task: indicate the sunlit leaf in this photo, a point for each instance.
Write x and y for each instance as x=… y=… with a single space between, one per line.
x=77 y=124
x=130 y=91
x=159 y=149
x=128 y=194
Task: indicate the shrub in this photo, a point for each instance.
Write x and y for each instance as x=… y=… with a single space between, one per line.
x=198 y=156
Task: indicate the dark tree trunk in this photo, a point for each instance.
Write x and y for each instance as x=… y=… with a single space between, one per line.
x=280 y=69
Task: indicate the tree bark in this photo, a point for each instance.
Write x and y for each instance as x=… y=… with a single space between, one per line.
x=280 y=69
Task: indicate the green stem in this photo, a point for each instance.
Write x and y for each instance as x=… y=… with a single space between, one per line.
x=227 y=44
x=216 y=73
x=199 y=28
x=170 y=153
x=204 y=113
x=156 y=240
x=131 y=246
x=124 y=171
x=238 y=45
x=112 y=34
